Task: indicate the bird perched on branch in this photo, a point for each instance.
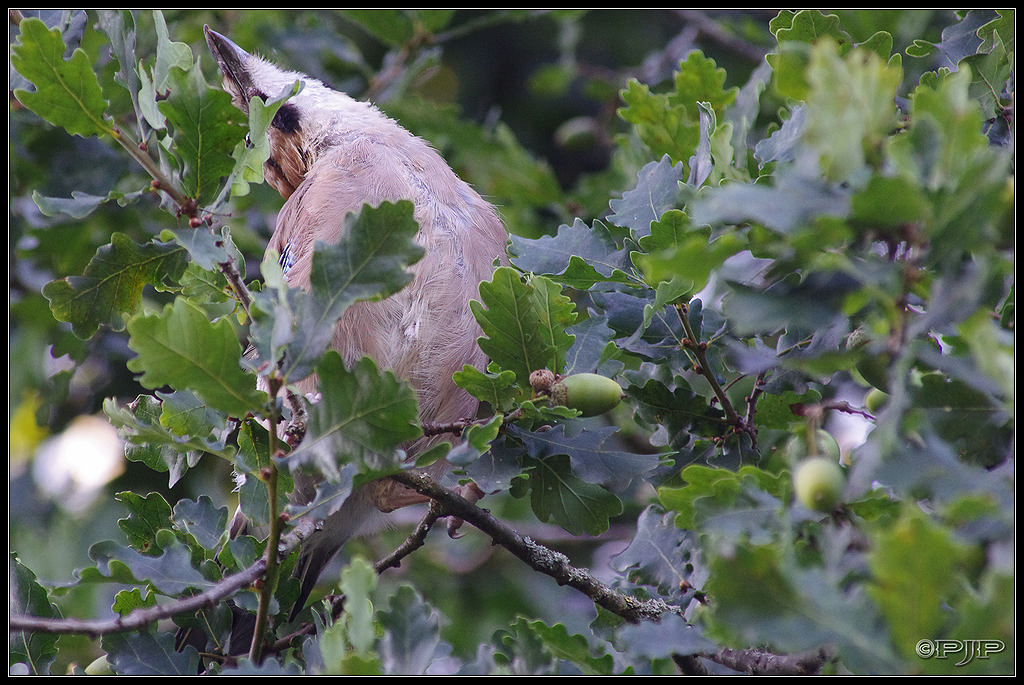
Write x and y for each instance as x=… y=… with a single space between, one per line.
x=329 y=155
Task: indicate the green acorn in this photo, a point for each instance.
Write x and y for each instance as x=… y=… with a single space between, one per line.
x=819 y=483
x=99 y=667
x=590 y=393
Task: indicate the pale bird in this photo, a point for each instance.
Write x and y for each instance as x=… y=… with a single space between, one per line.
x=329 y=155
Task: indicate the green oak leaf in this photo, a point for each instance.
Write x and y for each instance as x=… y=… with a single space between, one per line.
x=155 y=82
x=496 y=389
x=369 y=262
x=150 y=437
x=577 y=256
x=347 y=646
x=67 y=92
x=670 y=123
x=170 y=573
x=915 y=565
x=127 y=601
x=524 y=322
x=27 y=597
x=112 y=284
x=691 y=261
x=557 y=495
x=362 y=418
x=764 y=596
x=182 y=348
x=593 y=452
x=149 y=653
x=81 y=205
x=250 y=154
x=573 y=648
x=412 y=633
x=206 y=131
x=146 y=515
x=658 y=189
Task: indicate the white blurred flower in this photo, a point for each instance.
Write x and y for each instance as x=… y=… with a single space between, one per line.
x=73 y=467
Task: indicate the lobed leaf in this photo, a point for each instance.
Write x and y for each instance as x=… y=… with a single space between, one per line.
x=661 y=554
x=205 y=131
x=146 y=515
x=369 y=262
x=657 y=190
x=362 y=418
x=915 y=565
x=27 y=597
x=577 y=256
x=169 y=573
x=763 y=597
x=67 y=92
x=146 y=653
x=557 y=495
x=160 y=447
x=111 y=287
x=412 y=634
x=573 y=648
x=181 y=348
x=592 y=450
x=524 y=323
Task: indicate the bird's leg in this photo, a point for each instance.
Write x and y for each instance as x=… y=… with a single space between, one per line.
x=471 y=492
x=389 y=496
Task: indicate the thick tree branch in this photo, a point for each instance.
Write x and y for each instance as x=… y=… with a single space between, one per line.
x=537 y=556
x=552 y=563
x=760 y=662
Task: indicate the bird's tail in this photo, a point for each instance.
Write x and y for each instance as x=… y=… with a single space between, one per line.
x=357 y=516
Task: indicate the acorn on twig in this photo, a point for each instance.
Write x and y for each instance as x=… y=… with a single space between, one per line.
x=590 y=393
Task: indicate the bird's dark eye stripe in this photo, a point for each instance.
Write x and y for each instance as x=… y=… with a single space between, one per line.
x=287 y=119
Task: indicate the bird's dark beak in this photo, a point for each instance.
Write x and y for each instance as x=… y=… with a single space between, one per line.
x=231 y=60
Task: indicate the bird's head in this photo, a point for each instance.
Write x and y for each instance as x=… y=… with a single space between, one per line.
x=315 y=119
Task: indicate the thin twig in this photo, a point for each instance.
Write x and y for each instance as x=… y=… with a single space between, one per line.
x=273 y=540
x=234 y=277
x=415 y=540
x=141 y=618
x=699 y=350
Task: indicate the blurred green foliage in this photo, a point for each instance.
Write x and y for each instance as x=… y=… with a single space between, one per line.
x=753 y=221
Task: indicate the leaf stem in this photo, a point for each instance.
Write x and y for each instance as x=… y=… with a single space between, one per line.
x=160 y=181
x=699 y=350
